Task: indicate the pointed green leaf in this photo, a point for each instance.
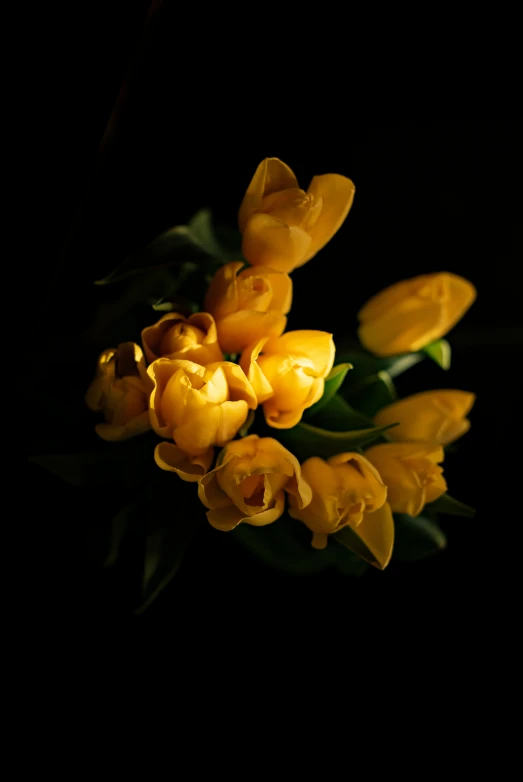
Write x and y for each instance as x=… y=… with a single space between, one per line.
x=332 y=383
x=447 y=504
x=371 y=394
x=286 y=545
x=173 y=516
x=203 y=235
x=416 y=537
x=372 y=539
x=172 y=248
x=365 y=364
x=305 y=440
x=440 y=352
x=339 y=416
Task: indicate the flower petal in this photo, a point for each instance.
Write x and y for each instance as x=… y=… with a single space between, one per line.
x=268 y=241
x=337 y=193
x=238 y=330
x=281 y=285
x=270 y=176
x=232 y=416
x=376 y=532
x=248 y=362
x=315 y=345
x=190 y=468
x=222 y=295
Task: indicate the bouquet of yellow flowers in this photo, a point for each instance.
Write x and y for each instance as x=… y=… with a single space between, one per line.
x=304 y=456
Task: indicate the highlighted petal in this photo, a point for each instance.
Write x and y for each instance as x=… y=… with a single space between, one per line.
x=190 y=468
x=271 y=176
x=270 y=242
x=337 y=193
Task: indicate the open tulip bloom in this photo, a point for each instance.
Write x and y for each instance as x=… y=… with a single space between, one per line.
x=215 y=413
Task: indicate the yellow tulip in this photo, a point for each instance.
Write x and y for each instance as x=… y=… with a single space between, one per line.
x=431 y=416
x=174 y=336
x=248 y=305
x=121 y=390
x=198 y=407
x=284 y=227
x=249 y=482
x=347 y=491
x=410 y=314
x=411 y=473
x=288 y=373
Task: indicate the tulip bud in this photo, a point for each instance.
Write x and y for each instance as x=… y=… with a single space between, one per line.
x=410 y=314
x=249 y=482
x=283 y=227
x=288 y=373
x=431 y=416
x=174 y=336
x=411 y=473
x=121 y=390
x=248 y=305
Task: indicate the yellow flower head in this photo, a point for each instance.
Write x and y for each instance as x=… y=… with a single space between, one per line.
x=198 y=407
x=248 y=305
x=288 y=373
x=174 y=336
x=121 y=391
x=411 y=473
x=249 y=482
x=410 y=314
x=346 y=491
x=431 y=416
x=284 y=227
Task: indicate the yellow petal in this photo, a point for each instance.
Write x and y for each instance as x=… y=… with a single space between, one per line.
x=321 y=514
x=318 y=346
x=238 y=330
x=152 y=335
x=280 y=283
x=270 y=515
x=222 y=295
x=232 y=416
x=248 y=362
x=190 y=468
x=268 y=241
x=199 y=432
x=428 y=416
x=376 y=533
x=210 y=492
x=239 y=386
x=412 y=313
x=270 y=176
x=105 y=375
x=337 y=193
x=225 y=519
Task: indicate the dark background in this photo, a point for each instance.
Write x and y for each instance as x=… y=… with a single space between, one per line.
x=139 y=137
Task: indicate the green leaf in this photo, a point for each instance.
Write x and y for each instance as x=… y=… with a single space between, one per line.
x=103 y=542
x=440 y=352
x=286 y=545
x=173 y=516
x=416 y=537
x=202 y=233
x=332 y=383
x=338 y=415
x=447 y=504
x=305 y=440
x=121 y=464
x=371 y=394
x=365 y=364
x=172 y=248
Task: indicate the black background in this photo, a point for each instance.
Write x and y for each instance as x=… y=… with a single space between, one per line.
x=139 y=136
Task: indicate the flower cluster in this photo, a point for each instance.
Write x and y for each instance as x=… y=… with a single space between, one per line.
x=197 y=380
